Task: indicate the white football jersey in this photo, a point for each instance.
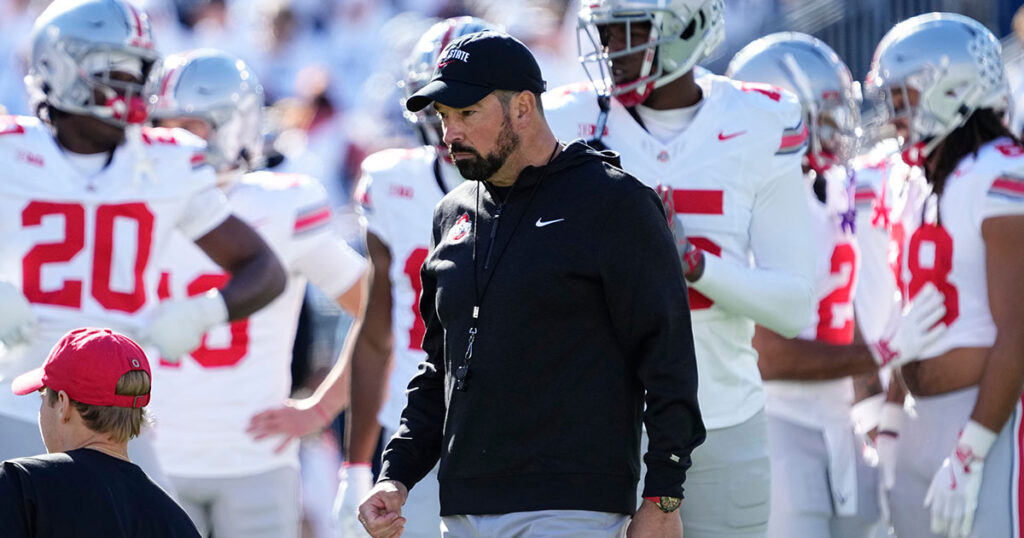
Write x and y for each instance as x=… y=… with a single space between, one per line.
x=202 y=404
x=825 y=405
x=397 y=191
x=887 y=191
x=739 y=191
x=817 y=404
x=946 y=247
x=83 y=248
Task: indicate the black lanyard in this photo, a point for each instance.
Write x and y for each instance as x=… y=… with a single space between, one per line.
x=462 y=372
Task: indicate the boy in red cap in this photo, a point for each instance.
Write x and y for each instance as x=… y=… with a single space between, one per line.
x=94 y=386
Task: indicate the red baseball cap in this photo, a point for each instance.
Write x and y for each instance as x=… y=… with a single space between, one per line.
x=87 y=364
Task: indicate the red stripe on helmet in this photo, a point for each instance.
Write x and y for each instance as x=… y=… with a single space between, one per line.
x=137 y=18
x=167 y=81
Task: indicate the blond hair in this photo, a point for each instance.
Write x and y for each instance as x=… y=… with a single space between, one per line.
x=121 y=423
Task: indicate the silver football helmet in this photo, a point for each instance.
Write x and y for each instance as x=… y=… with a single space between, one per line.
x=221 y=90
x=810 y=69
x=422 y=62
x=683 y=32
x=953 y=65
x=77 y=45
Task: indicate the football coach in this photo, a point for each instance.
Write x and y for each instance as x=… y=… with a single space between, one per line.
x=551 y=337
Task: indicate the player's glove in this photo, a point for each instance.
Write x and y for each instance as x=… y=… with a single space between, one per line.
x=354 y=483
x=689 y=255
x=177 y=326
x=911 y=330
x=953 y=494
x=17 y=322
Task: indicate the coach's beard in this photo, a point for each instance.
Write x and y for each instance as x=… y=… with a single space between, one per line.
x=481 y=168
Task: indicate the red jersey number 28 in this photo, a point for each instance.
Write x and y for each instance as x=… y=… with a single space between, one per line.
x=934 y=268
x=835 y=312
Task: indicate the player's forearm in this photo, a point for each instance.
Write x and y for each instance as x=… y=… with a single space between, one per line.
x=369 y=381
x=256 y=282
x=778 y=300
x=866 y=385
x=794 y=359
x=333 y=394
x=1001 y=381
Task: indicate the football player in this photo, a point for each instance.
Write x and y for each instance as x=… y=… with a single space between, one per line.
x=228 y=482
x=90 y=201
x=887 y=191
x=731 y=154
x=821 y=486
x=940 y=87
x=397 y=192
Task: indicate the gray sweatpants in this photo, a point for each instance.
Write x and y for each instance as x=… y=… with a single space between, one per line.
x=802 y=504
x=728 y=487
x=927 y=437
x=539 y=524
x=265 y=505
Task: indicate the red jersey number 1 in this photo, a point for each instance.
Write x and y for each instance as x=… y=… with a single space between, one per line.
x=412 y=270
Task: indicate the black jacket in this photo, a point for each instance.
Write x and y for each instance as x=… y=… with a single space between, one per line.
x=586 y=308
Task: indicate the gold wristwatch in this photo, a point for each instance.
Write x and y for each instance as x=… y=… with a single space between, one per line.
x=666 y=504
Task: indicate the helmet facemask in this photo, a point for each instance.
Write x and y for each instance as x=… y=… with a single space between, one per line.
x=672 y=47
x=930 y=73
x=105 y=83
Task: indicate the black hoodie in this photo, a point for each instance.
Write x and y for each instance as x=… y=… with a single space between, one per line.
x=586 y=309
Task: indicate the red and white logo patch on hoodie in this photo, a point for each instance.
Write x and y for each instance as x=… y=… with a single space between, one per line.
x=461 y=229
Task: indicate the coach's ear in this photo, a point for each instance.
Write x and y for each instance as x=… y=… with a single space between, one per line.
x=523 y=107
x=64 y=407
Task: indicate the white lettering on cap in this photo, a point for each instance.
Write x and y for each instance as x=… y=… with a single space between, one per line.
x=454 y=54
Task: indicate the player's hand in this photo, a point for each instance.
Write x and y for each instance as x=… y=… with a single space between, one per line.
x=953 y=494
x=294 y=419
x=912 y=330
x=17 y=322
x=650 y=521
x=177 y=326
x=381 y=512
x=691 y=257
x=355 y=482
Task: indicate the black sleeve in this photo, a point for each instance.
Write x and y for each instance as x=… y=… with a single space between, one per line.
x=647 y=299
x=415 y=448
x=15 y=506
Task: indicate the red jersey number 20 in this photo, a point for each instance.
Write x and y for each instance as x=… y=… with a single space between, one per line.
x=134 y=215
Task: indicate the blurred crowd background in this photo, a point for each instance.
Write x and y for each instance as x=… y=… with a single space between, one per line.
x=331 y=71
x=330 y=68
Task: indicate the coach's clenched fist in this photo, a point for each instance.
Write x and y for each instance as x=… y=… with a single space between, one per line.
x=381 y=512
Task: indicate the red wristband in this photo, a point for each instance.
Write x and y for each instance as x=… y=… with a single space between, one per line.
x=350 y=464
x=323 y=414
x=654 y=500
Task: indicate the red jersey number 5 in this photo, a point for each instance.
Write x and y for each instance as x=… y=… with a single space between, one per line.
x=699 y=202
